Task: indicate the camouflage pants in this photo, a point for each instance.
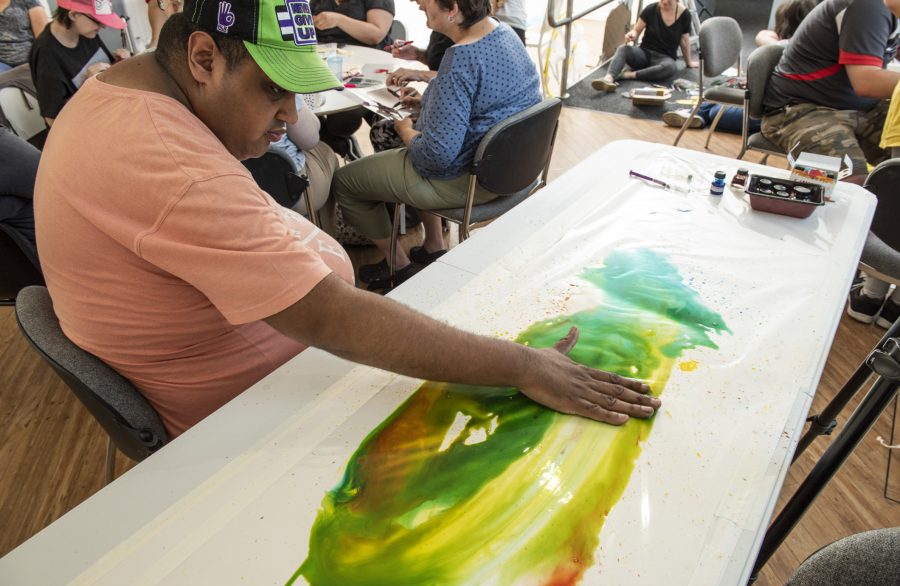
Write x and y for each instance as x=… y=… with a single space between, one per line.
x=825 y=131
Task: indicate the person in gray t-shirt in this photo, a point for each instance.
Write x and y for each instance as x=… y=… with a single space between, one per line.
x=827 y=94
x=21 y=21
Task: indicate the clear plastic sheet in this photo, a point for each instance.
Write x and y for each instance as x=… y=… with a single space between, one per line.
x=702 y=485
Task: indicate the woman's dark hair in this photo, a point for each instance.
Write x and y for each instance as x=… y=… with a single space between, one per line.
x=472 y=11
x=790 y=14
x=173 y=41
x=62 y=17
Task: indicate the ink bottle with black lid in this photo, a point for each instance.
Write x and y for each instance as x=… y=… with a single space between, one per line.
x=718 y=185
x=740 y=178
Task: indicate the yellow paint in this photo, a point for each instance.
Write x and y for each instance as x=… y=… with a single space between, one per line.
x=688 y=365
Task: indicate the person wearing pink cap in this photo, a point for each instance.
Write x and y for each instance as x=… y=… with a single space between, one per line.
x=69 y=52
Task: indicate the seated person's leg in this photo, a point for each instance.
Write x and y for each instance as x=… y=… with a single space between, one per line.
x=732 y=119
x=337 y=129
x=816 y=130
x=18 y=213
x=634 y=57
x=321 y=163
x=362 y=188
x=871 y=125
x=659 y=67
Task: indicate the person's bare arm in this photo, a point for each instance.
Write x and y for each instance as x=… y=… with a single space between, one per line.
x=369 y=32
x=686 y=51
x=370 y=329
x=634 y=34
x=38 y=19
x=869 y=81
x=766 y=37
x=305 y=132
x=403 y=76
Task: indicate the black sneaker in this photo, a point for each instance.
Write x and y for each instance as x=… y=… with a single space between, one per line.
x=863 y=308
x=890 y=312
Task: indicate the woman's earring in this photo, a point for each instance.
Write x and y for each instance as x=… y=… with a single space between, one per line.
x=451 y=20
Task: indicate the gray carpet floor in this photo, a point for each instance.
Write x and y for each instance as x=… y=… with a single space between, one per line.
x=752 y=15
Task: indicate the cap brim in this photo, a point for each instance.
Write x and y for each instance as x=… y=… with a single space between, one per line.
x=296 y=71
x=111 y=20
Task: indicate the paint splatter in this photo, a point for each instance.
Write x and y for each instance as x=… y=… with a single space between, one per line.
x=688 y=365
x=478 y=485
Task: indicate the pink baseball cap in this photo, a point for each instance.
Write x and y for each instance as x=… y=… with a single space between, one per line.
x=99 y=10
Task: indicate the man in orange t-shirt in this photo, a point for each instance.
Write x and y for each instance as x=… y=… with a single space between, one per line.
x=166 y=260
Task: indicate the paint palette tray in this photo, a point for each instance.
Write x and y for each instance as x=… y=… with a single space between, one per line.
x=785 y=197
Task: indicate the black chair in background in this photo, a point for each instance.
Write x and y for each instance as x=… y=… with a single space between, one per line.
x=19 y=265
x=512 y=160
x=133 y=426
x=760 y=66
x=881 y=253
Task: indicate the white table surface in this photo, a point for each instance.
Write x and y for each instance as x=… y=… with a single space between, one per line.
x=354 y=57
x=160 y=522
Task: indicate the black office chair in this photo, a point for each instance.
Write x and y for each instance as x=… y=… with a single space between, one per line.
x=277 y=174
x=19 y=265
x=133 y=426
x=881 y=253
x=760 y=66
x=871 y=558
x=512 y=160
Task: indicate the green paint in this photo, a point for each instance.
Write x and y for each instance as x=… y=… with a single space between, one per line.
x=521 y=492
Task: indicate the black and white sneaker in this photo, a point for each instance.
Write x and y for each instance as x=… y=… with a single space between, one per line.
x=890 y=312
x=861 y=307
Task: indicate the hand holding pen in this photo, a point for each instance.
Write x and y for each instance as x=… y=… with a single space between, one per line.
x=403 y=50
x=409 y=98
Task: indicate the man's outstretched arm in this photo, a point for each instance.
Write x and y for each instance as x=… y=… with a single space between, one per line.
x=370 y=329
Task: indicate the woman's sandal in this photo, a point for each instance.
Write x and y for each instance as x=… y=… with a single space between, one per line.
x=603 y=85
x=423 y=257
x=388 y=283
x=374 y=272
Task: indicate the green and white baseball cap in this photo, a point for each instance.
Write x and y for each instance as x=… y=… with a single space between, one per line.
x=279 y=34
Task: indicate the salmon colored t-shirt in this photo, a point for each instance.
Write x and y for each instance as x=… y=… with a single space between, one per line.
x=162 y=254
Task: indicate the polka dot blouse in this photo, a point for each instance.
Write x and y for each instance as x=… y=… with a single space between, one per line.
x=477 y=86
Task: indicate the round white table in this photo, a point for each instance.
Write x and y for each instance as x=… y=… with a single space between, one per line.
x=355 y=57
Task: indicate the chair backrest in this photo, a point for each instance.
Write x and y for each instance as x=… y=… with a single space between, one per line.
x=517 y=150
x=883 y=182
x=19 y=265
x=133 y=425
x=398 y=30
x=22 y=111
x=720 y=44
x=760 y=65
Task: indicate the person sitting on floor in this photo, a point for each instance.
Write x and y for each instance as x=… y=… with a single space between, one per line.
x=170 y=264
x=69 y=52
x=788 y=17
x=828 y=93
x=485 y=77
x=666 y=25
x=21 y=22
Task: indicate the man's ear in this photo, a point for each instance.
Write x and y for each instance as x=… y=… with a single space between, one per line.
x=201 y=53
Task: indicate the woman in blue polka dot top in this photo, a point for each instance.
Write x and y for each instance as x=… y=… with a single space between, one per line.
x=484 y=78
